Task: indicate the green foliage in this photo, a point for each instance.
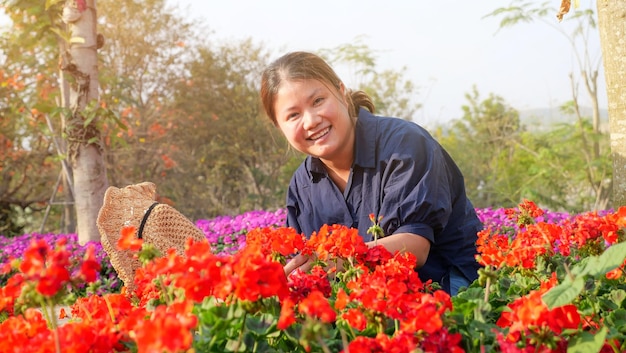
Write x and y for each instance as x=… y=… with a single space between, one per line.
x=235 y=157
x=141 y=62
x=489 y=130
x=593 y=266
x=232 y=328
x=523 y=11
x=28 y=166
x=503 y=162
x=567 y=176
x=391 y=93
x=586 y=185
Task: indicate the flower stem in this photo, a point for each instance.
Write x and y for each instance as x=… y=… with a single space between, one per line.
x=48 y=311
x=84 y=308
x=110 y=310
x=344 y=341
x=57 y=342
x=243 y=329
x=487 y=287
x=322 y=344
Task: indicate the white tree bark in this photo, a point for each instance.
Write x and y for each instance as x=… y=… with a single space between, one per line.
x=612 y=26
x=84 y=144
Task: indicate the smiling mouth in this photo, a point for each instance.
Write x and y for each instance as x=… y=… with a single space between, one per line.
x=319 y=134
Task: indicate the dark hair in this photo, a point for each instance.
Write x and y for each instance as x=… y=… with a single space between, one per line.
x=304 y=66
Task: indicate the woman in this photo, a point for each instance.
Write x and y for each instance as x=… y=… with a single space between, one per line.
x=360 y=164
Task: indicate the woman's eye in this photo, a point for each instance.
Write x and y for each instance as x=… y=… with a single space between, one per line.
x=292 y=116
x=317 y=101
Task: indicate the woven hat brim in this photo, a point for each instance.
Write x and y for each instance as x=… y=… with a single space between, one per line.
x=125 y=206
x=167 y=228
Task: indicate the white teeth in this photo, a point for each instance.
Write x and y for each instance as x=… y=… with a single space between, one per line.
x=320 y=134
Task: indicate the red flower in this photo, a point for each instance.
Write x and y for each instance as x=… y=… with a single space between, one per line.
x=34 y=258
x=63 y=314
x=316 y=305
x=259 y=277
x=375 y=255
x=90 y=266
x=342 y=299
x=362 y=344
x=336 y=241
x=167 y=329
x=530 y=314
x=616 y=273
x=301 y=284
x=530 y=208
x=128 y=239
x=47 y=268
x=442 y=341
x=284 y=241
x=564 y=317
x=11 y=291
x=18 y=333
x=355 y=318
x=287 y=316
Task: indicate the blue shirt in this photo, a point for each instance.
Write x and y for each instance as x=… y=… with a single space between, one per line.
x=400 y=172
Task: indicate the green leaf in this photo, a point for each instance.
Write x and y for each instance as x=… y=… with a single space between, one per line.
x=587 y=342
x=617 y=319
x=236 y=346
x=612 y=258
x=110 y=114
x=564 y=293
x=616 y=297
x=599 y=265
x=88 y=121
x=581 y=268
x=261 y=324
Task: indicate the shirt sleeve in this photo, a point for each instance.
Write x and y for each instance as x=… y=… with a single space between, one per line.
x=416 y=195
x=293 y=207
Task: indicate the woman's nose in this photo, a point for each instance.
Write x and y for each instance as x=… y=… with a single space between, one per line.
x=311 y=120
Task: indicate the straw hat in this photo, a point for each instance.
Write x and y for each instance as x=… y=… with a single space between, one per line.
x=158 y=224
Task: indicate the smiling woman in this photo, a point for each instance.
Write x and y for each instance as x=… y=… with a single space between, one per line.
x=316 y=122
x=362 y=167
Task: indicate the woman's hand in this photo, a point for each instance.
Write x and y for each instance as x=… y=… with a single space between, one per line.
x=305 y=263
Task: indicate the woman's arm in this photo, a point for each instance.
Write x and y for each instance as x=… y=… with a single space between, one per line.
x=413 y=243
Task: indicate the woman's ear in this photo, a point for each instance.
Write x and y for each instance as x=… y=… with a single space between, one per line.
x=342 y=91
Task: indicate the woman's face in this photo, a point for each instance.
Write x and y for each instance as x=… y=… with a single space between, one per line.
x=314 y=118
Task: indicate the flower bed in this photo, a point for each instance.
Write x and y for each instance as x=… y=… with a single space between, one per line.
x=550 y=283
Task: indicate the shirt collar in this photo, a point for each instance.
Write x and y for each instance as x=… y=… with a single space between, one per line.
x=364 y=145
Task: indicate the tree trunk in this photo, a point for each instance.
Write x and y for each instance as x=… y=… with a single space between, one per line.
x=612 y=26
x=68 y=220
x=84 y=145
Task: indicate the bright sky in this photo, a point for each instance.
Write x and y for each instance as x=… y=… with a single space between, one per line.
x=446 y=45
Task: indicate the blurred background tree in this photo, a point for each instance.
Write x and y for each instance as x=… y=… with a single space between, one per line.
x=28 y=91
x=182 y=110
x=596 y=173
x=504 y=160
x=483 y=144
x=60 y=36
